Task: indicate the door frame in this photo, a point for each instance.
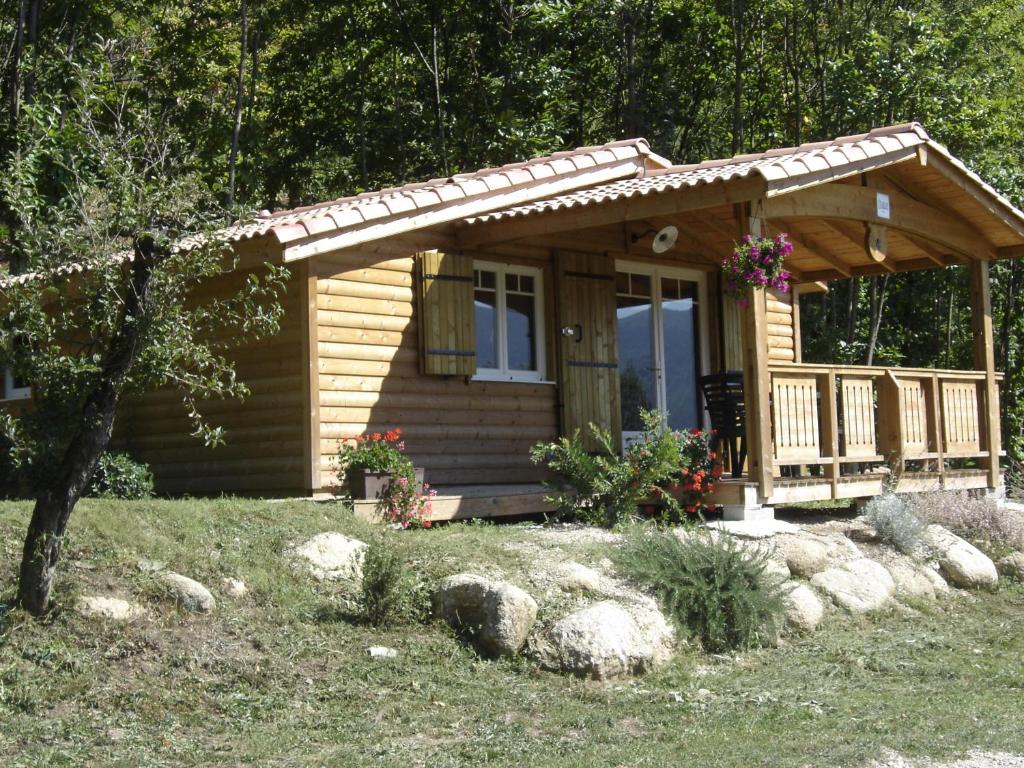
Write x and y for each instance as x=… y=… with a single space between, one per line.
x=703 y=332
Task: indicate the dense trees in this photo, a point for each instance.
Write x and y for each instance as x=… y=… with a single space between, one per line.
x=286 y=102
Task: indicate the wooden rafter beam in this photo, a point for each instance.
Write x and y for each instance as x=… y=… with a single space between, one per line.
x=847 y=202
x=667 y=203
x=1010 y=252
x=818 y=250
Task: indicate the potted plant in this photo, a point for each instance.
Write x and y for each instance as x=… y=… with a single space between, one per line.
x=370 y=463
x=757 y=262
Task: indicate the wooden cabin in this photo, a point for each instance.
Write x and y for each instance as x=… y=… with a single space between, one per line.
x=487 y=311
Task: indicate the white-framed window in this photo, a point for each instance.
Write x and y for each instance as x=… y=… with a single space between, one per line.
x=15 y=388
x=508 y=304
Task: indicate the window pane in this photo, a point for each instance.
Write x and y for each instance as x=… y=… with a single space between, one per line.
x=511 y=282
x=669 y=288
x=522 y=332
x=486 y=280
x=485 y=304
x=525 y=284
x=636 y=360
x=640 y=284
x=682 y=357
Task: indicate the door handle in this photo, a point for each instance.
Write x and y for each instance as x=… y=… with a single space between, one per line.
x=573 y=331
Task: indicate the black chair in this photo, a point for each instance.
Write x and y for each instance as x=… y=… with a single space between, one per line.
x=723 y=395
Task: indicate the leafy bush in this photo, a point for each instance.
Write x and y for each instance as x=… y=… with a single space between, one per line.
x=896 y=524
x=712 y=589
x=390 y=592
x=605 y=488
x=120 y=477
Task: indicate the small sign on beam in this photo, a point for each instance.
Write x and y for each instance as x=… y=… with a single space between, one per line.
x=882 y=205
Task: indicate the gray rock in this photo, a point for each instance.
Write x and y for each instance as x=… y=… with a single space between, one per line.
x=807 y=553
x=498 y=615
x=962 y=563
x=857 y=586
x=575 y=577
x=804 y=610
x=1012 y=565
x=188 y=593
x=332 y=556
x=608 y=639
x=382 y=652
x=113 y=608
x=233 y=588
x=914 y=579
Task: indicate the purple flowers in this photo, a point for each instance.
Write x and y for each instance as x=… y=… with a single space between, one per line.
x=757 y=262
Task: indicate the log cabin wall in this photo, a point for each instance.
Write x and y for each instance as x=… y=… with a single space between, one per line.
x=783 y=331
x=461 y=431
x=264 y=449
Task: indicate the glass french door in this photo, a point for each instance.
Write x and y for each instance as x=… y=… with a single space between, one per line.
x=659 y=322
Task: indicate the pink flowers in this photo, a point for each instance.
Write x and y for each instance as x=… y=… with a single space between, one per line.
x=757 y=262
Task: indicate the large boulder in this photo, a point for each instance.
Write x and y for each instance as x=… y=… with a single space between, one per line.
x=1012 y=565
x=857 y=586
x=807 y=554
x=913 y=579
x=333 y=556
x=496 y=614
x=113 y=608
x=962 y=563
x=609 y=639
x=188 y=593
x=804 y=610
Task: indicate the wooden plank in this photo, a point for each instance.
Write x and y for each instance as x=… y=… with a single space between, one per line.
x=984 y=359
x=858 y=410
x=311 y=379
x=795 y=411
x=830 y=428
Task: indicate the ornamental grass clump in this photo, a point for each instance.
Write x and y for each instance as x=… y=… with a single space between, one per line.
x=712 y=589
x=390 y=593
x=896 y=525
x=757 y=263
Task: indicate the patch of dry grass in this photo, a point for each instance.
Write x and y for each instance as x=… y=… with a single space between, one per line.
x=997 y=530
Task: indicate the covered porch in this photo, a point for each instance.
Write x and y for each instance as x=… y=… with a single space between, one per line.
x=884 y=202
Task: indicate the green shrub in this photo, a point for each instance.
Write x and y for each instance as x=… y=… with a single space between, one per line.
x=895 y=524
x=605 y=488
x=119 y=477
x=390 y=594
x=711 y=589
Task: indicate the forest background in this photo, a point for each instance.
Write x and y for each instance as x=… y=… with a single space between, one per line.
x=290 y=102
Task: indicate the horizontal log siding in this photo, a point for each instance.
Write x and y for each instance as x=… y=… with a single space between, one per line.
x=779 y=315
x=264 y=435
x=462 y=432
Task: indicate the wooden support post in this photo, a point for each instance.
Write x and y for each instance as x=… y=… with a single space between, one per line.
x=933 y=397
x=310 y=376
x=757 y=383
x=830 y=428
x=892 y=422
x=985 y=360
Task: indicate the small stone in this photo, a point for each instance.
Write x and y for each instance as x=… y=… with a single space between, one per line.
x=497 y=615
x=233 y=588
x=382 y=652
x=333 y=556
x=803 y=608
x=962 y=563
x=1012 y=565
x=188 y=593
x=805 y=556
x=113 y=608
x=575 y=577
x=857 y=586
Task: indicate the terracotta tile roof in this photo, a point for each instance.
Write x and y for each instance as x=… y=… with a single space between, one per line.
x=783 y=169
x=412 y=199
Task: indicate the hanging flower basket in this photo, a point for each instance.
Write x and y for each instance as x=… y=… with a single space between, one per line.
x=757 y=263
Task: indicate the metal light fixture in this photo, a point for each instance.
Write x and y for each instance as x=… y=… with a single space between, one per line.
x=664 y=238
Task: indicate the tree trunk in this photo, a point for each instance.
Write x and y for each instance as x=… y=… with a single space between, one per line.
x=239 y=102
x=737 y=78
x=72 y=475
x=877 y=309
x=18 y=50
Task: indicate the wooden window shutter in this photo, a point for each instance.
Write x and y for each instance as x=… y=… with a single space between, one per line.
x=446 y=328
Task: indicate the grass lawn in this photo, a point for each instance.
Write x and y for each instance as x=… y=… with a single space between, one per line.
x=282 y=677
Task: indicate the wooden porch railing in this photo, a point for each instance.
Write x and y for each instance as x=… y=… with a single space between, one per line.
x=835 y=415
